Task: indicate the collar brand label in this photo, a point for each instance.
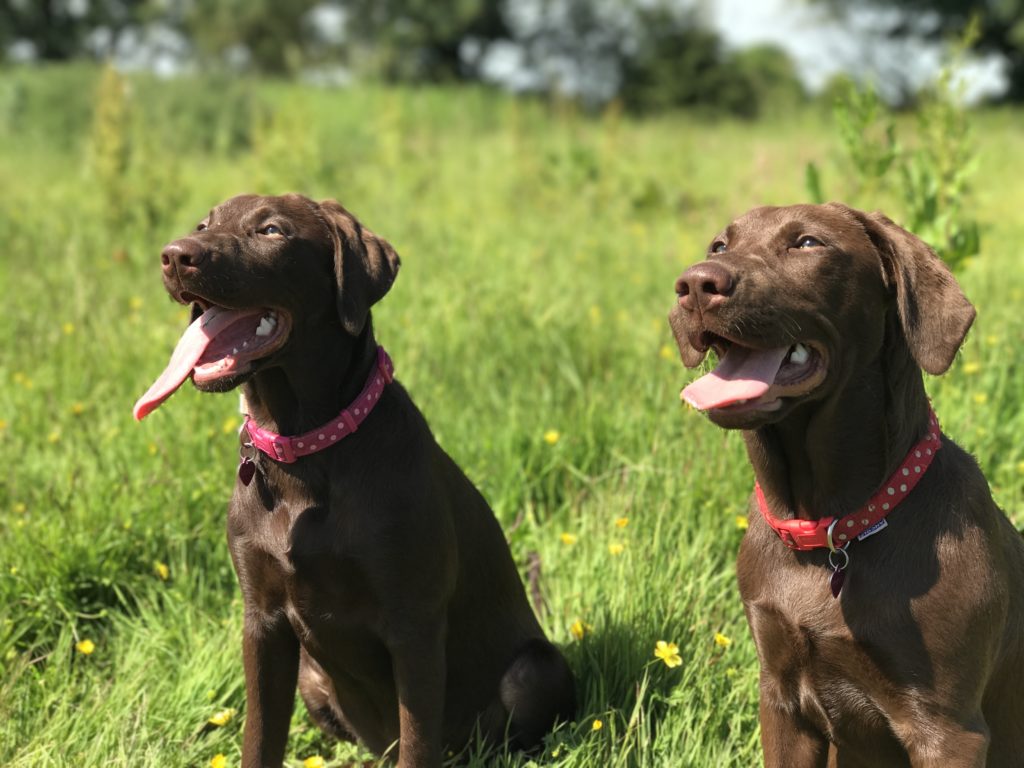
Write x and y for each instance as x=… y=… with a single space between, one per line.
x=879 y=526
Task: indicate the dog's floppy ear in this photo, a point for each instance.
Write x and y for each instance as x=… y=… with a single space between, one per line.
x=933 y=311
x=690 y=356
x=365 y=266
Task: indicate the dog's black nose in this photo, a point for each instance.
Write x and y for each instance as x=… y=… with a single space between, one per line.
x=706 y=285
x=182 y=254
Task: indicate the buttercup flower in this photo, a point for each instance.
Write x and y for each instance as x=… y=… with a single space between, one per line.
x=668 y=653
x=666 y=352
x=85 y=647
x=621 y=522
x=722 y=641
x=972 y=368
x=597 y=725
x=161 y=570
x=552 y=436
x=218 y=761
x=615 y=548
x=313 y=762
x=222 y=717
x=742 y=522
x=980 y=398
x=580 y=629
x=568 y=538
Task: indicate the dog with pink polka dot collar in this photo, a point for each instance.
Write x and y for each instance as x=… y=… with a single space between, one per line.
x=290 y=449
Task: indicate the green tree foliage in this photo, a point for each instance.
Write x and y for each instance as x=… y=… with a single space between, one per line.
x=271 y=32
x=406 y=40
x=59 y=30
x=1000 y=27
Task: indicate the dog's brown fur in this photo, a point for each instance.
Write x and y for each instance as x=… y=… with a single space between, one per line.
x=921 y=660
x=374 y=574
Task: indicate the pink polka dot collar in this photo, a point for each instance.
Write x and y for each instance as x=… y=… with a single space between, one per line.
x=833 y=533
x=289 y=449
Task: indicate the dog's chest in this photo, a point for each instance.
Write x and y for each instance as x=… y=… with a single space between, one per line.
x=298 y=557
x=812 y=662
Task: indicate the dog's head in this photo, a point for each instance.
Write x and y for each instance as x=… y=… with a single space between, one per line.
x=795 y=300
x=258 y=271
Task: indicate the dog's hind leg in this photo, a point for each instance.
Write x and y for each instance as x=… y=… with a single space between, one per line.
x=318 y=694
x=536 y=690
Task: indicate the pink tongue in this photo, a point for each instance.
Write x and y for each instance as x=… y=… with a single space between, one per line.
x=193 y=343
x=742 y=374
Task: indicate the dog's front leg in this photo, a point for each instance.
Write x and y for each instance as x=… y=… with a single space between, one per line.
x=418 y=660
x=788 y=741
x=271 y=657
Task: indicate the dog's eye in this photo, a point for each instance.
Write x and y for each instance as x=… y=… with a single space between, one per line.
x=808 y=242
x=718 y=247
x=271 y=229
x=201 y=226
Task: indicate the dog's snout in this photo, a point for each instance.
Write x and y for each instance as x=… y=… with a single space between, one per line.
x=182 y=254
x=706 y=285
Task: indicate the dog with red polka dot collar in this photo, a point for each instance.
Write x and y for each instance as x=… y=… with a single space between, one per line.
x=883 y=586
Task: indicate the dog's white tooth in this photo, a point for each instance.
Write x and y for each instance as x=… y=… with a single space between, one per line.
x=234 y=350
x=799 y=355
x=264 y=328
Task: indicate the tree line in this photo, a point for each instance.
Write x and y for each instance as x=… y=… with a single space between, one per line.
x=649 y=55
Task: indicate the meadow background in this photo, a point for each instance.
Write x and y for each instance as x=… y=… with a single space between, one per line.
x=540 y=245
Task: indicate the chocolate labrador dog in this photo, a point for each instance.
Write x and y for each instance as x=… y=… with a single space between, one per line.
x=374 y=574
x=883 y=587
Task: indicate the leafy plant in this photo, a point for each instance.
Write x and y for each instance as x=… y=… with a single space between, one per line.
x=930 y=174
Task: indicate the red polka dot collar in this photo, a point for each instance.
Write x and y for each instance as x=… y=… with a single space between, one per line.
x=290 y=449
x=835 y=534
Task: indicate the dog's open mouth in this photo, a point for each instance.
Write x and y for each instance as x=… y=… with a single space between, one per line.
x=748 y=379
x=219 y=343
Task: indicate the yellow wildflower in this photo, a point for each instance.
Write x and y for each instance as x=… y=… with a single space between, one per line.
x=597 y=725
x=53 y=437
x=580 y=629
x=77 y=409
x=722 y=641
x=621 y=522
x=19 y=507
x=85 y=647
x=1020 y=467
x=135 y=303
x=615 y=548
x=218 y=761
x=314 y=761
x=152 y=448
x=668 y=653
x=161 y=570
x=552 y=436
x=568 y=538
x=68 y=328
x=666 y=352
x=221 y=717
x=3 y=425
x=230 y=425
x=595 y=314
x=972 y=367
x=742 y=522
x=980 y=398
x=991 y=340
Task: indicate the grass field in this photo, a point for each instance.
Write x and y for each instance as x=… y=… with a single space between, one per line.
x=539 y=253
